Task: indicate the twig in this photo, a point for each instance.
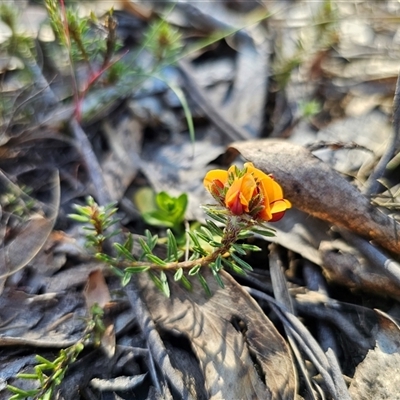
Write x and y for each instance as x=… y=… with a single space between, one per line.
x=230 y=131
x=377 y=259
x=316 y=282
x=281 y=294
x=93 y=167
x=155 y=343
x=372 y=185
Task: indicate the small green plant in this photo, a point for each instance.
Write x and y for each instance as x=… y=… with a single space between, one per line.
x=309 y=109
x=16 y=201
x=49 y=374
x=164 y=42
x=162 y=210
x=98 y=220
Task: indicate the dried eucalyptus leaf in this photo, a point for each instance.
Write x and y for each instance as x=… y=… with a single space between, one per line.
x=226 y=353
x=31 y=235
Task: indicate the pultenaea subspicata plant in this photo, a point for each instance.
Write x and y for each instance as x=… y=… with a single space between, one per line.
x=247 y=198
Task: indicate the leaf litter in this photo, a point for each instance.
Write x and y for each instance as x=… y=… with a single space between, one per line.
x=305 y=92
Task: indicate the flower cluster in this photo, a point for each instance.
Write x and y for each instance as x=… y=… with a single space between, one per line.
x=247 y=191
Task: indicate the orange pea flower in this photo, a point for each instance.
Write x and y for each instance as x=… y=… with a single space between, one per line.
x=247 y=191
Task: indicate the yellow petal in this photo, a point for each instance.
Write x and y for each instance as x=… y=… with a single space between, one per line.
x=257 y=173
x=215 y=174
x=280 y=205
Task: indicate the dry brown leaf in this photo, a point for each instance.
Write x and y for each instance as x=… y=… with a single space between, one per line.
x=226 y=356
x=122 y=163
x=96 y=292
x=32 y=234
x=313 y=187
x=377 y=377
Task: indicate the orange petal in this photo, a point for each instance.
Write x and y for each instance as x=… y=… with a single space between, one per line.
x=215 y=175
x=257 y=173
x=233 y=193
x=271 y=189
x=236 y=206
x=265 y=214
x=247 y=190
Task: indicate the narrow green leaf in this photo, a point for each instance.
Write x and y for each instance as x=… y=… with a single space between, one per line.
x=39 y=374
x=116 y=271
x=123 y=251
x=235 y=268
x=218 y=263
x=186 y=283
x=250 y=247
x=47 y=395
x=126 y=279
x=164 y=280
x=105 y=258
x=48 y=363
x=27 y=376
x=212 y=226
x=156 y=280
x=83 y=210
x=216 y=275
x=178 y=274
x=145 y=247
x=207 y=232
x=138 y=269
x=200 y=252
x=186 y=110
x=161 y=282
x=129 y=243
x=22 y=392
x=267 y=233
x=204 y=284
x=245 y=234
x=156 y=260
x=194 y=238
x=111 y=208
x=217 y=217
x=242 y=263
x=79 y=218
x=238 y=248
x=194 y=270
x=58 y=374
x=172 y=247
x=203 y=237
x=151 y=239
x=112 y=234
